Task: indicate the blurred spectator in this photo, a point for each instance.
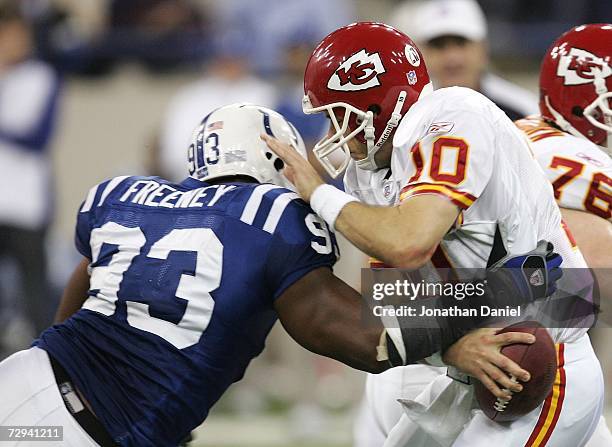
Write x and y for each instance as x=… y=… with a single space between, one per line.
x=297 y=50
x=56 y=37
x=523 y=29
x=163 y=35
x=560 y=11
x=270 y=23
x=29 y=92
x=453 y=37
x=228 y=80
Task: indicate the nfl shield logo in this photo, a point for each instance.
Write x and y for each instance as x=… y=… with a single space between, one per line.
x=412 y=77
x=388 y=189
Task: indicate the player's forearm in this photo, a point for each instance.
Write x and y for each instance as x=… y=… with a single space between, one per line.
x=382 y=232
x=338 y=331
x=75 y=292
x=324 y=315
x=355 y=348
x=344 y=334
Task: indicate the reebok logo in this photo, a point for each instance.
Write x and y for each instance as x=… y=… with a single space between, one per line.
x=440 y=127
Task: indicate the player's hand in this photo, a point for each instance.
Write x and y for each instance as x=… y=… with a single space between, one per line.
x=297 y=169
x=477 y=354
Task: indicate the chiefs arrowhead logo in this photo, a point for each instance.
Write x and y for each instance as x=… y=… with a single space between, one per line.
x=581 y=67
x=358 y=72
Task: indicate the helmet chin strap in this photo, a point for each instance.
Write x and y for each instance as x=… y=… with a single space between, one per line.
x=369 y=163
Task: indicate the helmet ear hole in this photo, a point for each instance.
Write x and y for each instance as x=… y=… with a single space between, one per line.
x=279 y=164
x=375 y=109
x=577 y=111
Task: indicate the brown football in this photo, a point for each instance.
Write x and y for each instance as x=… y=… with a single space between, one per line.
x=539 y=358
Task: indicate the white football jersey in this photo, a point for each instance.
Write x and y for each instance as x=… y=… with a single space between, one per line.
x=580 y=172
x=457 y=144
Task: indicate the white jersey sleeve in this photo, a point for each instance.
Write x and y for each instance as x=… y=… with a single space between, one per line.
x=580 y=172
x=454 y=159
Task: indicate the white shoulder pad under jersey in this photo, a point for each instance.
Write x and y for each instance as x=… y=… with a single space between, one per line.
x=371 y=187
x=580 y=172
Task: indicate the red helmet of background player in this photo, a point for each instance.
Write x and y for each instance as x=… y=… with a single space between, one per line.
x=576 y=82
x=365 y=76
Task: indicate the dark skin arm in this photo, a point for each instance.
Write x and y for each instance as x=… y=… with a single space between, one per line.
x=323 y=314
x=75 y=292
x=319 y=311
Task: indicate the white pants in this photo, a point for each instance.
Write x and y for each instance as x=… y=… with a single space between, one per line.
x=602 y=436
x=29 y=396
x=379 y=409
x=582 y=406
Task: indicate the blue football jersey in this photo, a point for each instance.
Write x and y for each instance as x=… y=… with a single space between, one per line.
x=182 y=287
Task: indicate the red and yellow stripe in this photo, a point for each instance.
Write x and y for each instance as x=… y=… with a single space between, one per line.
x=570 y=236
x=462 y=199
x=552 y=406
x=537 y=129
x=542 y=133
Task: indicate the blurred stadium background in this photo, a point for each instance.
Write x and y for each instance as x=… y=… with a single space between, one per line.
x=134 y=75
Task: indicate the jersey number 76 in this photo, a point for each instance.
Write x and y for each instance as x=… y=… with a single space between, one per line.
x=597 y=200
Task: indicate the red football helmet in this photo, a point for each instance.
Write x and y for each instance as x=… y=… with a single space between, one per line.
x=365 y=76
x=576 y=82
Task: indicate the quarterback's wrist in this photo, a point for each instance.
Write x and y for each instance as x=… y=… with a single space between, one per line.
x=327 y=201
x=435 y=359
